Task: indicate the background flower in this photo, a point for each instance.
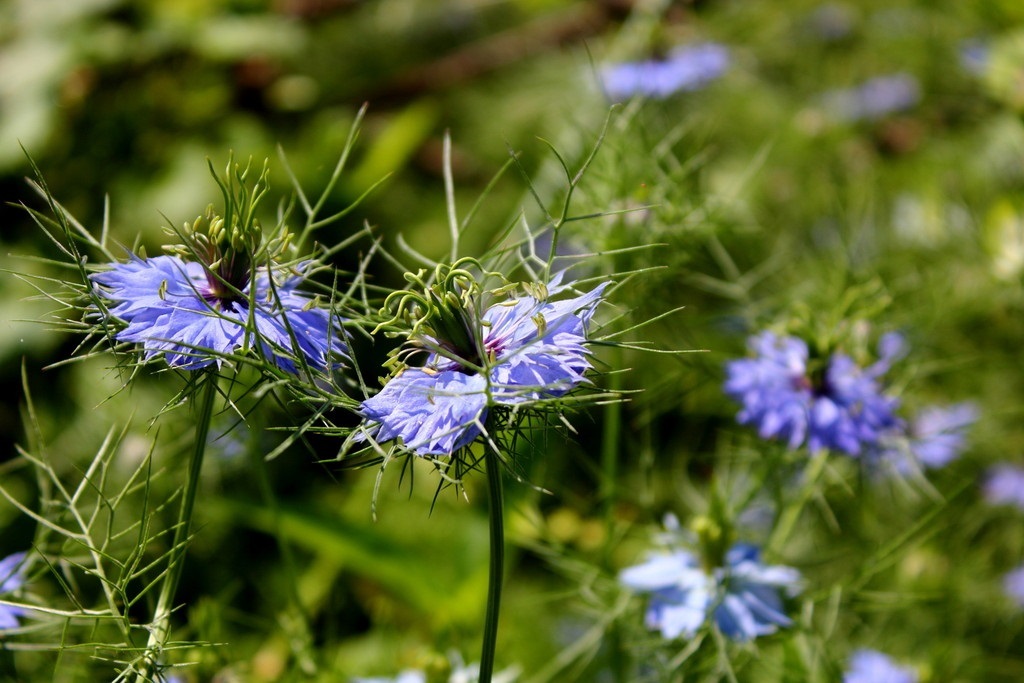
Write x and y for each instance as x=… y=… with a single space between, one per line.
x=875 y=98
x=742 y=597
x=843 y=408
x=11 y=579
x=1013 y=585
x=1004 y=485
x=688 y=67
x=933 y=438
x=870 y=666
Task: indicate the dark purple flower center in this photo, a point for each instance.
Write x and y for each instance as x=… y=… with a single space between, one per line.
x=227 y=275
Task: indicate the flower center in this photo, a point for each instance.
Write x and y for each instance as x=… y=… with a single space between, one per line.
x=225 y=252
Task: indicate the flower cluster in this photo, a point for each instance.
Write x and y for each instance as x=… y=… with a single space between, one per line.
x=870 y=666
x=12 y=577
x=510 y=353
x=836 y=405
x=833 y=403
x=742 y=596
x=689 y=67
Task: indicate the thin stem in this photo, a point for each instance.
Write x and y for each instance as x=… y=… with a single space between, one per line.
x=161 y=629
x=497 y=564
x=790 y=515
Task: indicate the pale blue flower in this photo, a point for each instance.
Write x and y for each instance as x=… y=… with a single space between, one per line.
x=874 y=98
x=181 y=310
x=842 y=407
x=743 y=597
x=832 y=21
x=1004 y=485
x=689 y=67
x=974 y=56
x=1013 y=585
x=534 y=349
x=934 y=437
x=460 y=673
x=12 y=577
x=410 y=676
x=870 y=666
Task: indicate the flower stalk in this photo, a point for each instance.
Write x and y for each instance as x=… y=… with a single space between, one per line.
x=161 y=627
x=497 y=563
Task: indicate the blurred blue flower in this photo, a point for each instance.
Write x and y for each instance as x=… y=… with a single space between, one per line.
x=832 y=21
x=410 y=676
x=460 y=673
x=528 y=349
x=1004 y=485
x=688 y=67
x=871 y=666
x=742 y=597
x=875 y=98
x=934 y=437
x=184 y=311
x=841 y=407
x=974 y=56
x=1013 y=585
x=11 y=579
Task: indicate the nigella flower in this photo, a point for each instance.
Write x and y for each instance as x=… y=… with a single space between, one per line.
x=1013 y=586
x=871 y=666
x=514 y=352
x=934 y=437
x=688 y=67
x=1004 y=485
x=743 y=597
x=875 y=98
x=838 y=405
x=209 y=300
x=11 y=579
x=974 y=56
x=409 y=676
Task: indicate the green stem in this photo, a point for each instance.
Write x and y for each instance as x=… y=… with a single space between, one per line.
x=497 y=564
x=161 y=629
x=788 y=518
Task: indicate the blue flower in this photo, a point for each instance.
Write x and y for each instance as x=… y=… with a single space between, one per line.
x=1013 y=585
x=974 y=56
x=518 y=351
x=870 y=666
x=460 y=673
x=875 y=98
x=841 y=407
x=186 y=312
x=410 y=676
x=1004 y=485
x=934 y=438
x=11 y=579
x=742 y=597
x=689 y=67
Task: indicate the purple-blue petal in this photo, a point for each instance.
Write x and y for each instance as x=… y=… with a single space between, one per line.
x=431 y=412
x=870 y=666
x=168 y=310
